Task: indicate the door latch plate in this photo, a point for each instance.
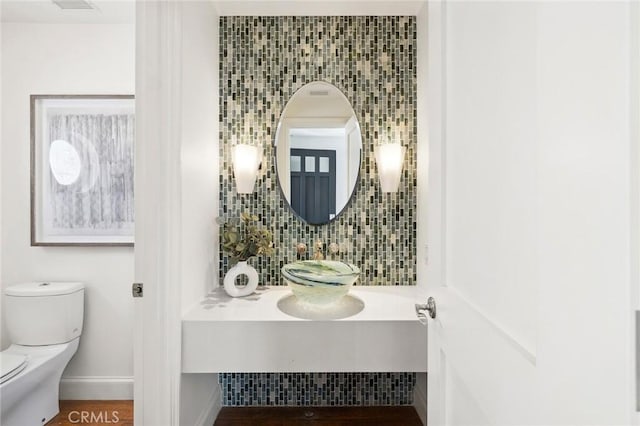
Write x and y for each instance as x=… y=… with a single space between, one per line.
x=137 y=289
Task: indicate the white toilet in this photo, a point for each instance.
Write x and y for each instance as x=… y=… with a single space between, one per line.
x=44 y=321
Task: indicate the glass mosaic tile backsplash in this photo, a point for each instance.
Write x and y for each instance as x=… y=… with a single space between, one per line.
x=263 y=61
x=372 y=60
x=317 y=389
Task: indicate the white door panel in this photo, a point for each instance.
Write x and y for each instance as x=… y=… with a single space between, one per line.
x=533 y=145
x=491 y=169
x=158 y=232
x=493 y=369
x=462 y=408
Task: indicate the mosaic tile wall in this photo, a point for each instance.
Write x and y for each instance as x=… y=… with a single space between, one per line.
x=320 y=389
x=263 y=61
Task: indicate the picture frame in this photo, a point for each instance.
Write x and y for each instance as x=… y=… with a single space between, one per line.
x=82 y=163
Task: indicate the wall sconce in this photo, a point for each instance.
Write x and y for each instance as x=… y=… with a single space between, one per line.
x=390 y=159
x=246 y=162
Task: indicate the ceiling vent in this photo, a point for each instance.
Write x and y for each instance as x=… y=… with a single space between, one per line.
x=73 y=4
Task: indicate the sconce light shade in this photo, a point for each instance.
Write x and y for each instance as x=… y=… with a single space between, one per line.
x=390 y=159
x=246 y=161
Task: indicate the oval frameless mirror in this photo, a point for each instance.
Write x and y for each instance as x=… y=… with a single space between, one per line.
x=318 y=148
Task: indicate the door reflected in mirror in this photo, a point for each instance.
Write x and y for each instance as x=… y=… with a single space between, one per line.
x=318 y=150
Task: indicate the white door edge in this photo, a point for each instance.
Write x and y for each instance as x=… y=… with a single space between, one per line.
x=635 y=204
x=157 y=347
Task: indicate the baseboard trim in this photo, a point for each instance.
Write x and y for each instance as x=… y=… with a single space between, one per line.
x=96 y=387
x=213 y=406
x=420 y=397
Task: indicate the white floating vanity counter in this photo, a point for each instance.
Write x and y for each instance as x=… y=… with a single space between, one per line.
x=251 y=334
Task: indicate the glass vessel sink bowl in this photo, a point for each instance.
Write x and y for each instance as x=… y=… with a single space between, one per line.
x=320 y=282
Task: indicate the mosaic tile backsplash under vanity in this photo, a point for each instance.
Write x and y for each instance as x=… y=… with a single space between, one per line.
x=372 y=60
x=318 y=389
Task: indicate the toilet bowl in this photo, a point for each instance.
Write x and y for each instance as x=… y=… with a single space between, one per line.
x=44 y=323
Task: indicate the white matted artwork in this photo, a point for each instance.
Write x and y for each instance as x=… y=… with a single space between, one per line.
x=82 y=153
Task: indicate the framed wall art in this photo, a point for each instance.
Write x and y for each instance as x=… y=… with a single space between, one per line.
x=82 y=152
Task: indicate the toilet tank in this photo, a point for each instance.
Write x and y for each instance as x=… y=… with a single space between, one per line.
x=44 y=313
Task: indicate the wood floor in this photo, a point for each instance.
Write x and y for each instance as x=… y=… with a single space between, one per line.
x=318 y=416
x=117 y=413
x=120 y=413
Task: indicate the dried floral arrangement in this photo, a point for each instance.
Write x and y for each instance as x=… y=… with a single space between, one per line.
x=242 y=238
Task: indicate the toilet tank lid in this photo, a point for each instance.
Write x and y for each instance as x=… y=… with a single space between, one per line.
x=41 y=288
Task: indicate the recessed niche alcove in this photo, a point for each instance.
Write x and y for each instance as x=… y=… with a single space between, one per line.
x=252 y=335
x=265 y=61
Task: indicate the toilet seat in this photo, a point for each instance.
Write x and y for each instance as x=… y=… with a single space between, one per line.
x=11 y=364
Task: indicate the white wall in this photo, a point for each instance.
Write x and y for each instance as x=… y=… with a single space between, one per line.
x=199 y=395
x=199 y=152
x=429 y=151
x=67 y=59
